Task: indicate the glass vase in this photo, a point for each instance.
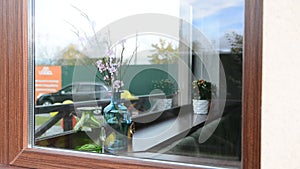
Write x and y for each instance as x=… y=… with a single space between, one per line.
x=118 y=119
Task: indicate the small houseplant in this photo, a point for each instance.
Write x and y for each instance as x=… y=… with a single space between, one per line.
x=202 y=92
x=169 y=88
x=166 y=86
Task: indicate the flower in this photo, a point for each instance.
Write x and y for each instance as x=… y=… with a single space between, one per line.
x=202 y=89
x=110 y=66
x=118 y=84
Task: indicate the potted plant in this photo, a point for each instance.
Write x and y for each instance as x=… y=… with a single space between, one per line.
x=169 y=89
x=202 y=92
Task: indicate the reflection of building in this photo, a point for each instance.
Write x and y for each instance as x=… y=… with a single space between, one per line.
x=48 y=79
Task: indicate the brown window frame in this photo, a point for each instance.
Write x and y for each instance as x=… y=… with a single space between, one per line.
x=14 y=149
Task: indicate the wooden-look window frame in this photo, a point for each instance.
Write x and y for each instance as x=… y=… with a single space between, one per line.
x=14 y=149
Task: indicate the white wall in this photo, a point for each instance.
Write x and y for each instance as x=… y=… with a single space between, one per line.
x=281 y=85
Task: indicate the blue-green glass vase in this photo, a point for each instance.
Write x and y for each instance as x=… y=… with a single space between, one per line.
x=118 y=119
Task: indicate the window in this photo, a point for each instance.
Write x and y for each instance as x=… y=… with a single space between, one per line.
x=23 y=158
x=86 y=88
x=68 y=89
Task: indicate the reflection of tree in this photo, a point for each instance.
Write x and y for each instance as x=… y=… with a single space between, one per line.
x=236 y=42
x=72 y=56
x=233 y=65
x=45 y=53
x=164 y=53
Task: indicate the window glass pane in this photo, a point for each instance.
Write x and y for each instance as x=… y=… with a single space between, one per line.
x=145 y=79
x=67 y=89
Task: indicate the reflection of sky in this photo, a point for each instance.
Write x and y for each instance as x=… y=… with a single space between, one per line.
x=52 y=17
x=53 y=33
x=225 y=18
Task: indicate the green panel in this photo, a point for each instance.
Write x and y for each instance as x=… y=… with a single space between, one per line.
x=67 y=74
x=71 y=74
x=137 y=78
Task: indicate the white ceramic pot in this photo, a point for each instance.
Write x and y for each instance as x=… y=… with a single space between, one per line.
x=200 y=106
x=164 y=104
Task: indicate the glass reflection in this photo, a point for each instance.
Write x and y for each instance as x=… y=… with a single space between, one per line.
x=154 y=50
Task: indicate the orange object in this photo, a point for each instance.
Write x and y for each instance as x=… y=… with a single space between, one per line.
x=73 y=122
x=47 y=79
